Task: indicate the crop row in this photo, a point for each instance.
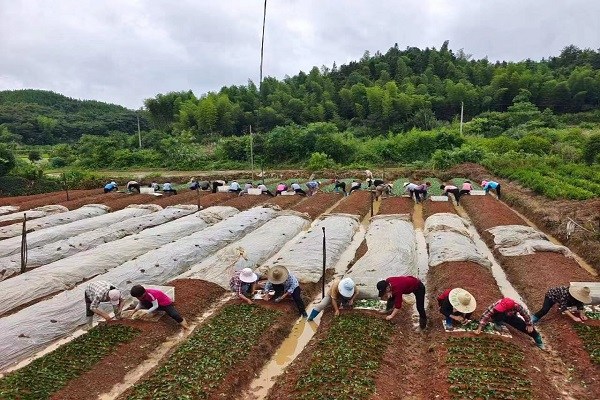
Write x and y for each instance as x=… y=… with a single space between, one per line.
x=199 y=366
x=492 y=371
x=590 y=335
x=47 y=374
x=345 y=361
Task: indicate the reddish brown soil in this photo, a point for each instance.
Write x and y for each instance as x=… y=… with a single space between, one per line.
x=396 y=205
x=245 y=202
x=40 y=200
x=193 y=298
x=532 y=275
x=481 y=284
x=358 y=203
x=285 y=202
x=550 y=215
x=433 y=207
x=317 y=204
x=487 y=212
x=182 y=197
x=61 y=195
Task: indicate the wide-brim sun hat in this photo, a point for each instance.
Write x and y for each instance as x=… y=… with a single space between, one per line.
x=248 y=276
x=581 y=293
x=277 y=274
x=462 y=300
x=405 y=184
x=114 y=295
x=346 y=287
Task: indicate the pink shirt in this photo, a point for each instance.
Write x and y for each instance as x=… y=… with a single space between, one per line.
x=467 y=186
x=281 y=187
x=155 y=294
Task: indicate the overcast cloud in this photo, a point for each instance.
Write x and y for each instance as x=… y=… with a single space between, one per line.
x=123 y=51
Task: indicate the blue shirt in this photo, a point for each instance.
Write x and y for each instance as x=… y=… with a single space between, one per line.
x=490 y=185
x=290 y=284
x=109 y=186
x=312 y=184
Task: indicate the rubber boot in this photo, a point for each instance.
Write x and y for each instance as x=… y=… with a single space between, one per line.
x=422 y=322
x=313 y=315
x=538 y=341
x=534 y=319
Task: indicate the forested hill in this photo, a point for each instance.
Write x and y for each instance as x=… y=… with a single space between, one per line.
x=44 y=117
x=395 y=91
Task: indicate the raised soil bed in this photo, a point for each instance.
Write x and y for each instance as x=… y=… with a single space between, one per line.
x=317 y=204
x=396 y=205
x=358 y=203
x=61 y=196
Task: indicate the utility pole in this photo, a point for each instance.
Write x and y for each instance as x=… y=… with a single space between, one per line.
x=462 y=107
x=252 y=153
x=139 y=131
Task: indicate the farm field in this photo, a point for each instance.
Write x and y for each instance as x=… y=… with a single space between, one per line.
x=357 y=355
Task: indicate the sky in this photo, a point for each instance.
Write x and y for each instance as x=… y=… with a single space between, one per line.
x=124 y=51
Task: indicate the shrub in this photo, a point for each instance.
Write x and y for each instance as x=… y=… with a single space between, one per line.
x=319 y=162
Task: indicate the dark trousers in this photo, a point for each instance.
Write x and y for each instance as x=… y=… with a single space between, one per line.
x=456 y=194
x=419 y=295
x=296 y=295
x=300 y=192
x=268 y=192
x=548 y=303
x=215 y=185
x=498 y=190
x=353 y=188
x=340 y=185
x=170 y=310
x=172 y=191
x=136 y=187
x=515 y=322
x=463 y=192
x=418 y=194
x=235 y=191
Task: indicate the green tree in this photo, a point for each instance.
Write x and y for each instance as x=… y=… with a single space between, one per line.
x=7 y=160
x=34 y=155
x=591 y=149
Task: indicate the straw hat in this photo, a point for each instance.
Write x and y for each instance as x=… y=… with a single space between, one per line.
x=248 y=276
x=462 y=300
x=277 y=274
x=346 y=287
x=581 y=293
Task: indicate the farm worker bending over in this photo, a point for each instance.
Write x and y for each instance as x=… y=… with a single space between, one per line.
x=342 y=292
x=168 y=188
x=466 y=188
x=565 y=297
x=392 y=290
x=242 y=283
x=285 y=284
x=265 y=190
x=456 y=305
x=451 y=189
x=204 y=185
x=282 y=187
x=247 y=186
x=313 y=187
x=298 y=189
x=340 y=185
x=111 y=186
x=505 y=311
x=154 y=299
x=193 y=184
x=235 y=187
x=487 y=185
x=133 y=185
x=355 y=185
x=385 y=188
x=216 y=184
x=99 y=292
x=155 y=186
x=410 y=188
x=421 y=190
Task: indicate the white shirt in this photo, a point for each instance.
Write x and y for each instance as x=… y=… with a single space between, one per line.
x=234 y=186
x=411 y=186
x=167 y=186
x=295 y=186
x=262 y=187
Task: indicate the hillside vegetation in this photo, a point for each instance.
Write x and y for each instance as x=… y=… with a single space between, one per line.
x=537 y=122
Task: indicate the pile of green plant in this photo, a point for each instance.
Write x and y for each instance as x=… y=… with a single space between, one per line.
x=486 y=368
x=199 y=365
x=48 y=374
x=590 y=335
x=346 y=361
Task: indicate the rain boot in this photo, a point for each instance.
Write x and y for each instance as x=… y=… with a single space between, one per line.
x=313 y=315
x=534 y=319
x=538 y=341
x=422 y=322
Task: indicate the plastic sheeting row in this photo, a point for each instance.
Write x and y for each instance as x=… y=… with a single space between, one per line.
x=58 y=250
x=33 y=213
x=449 y=240
x=392 y=251
x=41 y=237
x=304 y=257
x=35 y=327
x=520 y=240
x=8 y=209
x=257 y=246
x=64 y=274
x=91 y=210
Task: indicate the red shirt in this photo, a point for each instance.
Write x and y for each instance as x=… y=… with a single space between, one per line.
x=444 y=295
x=402 y=285
x=155 y=294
